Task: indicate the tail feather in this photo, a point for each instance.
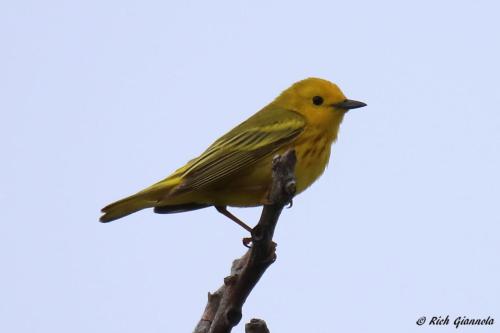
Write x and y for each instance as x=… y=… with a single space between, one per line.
x=125 y=207
x=146 y=198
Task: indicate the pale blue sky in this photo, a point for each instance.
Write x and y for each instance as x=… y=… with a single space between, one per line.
x=99 y=99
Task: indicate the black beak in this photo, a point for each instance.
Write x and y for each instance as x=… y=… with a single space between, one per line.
x=349 y=104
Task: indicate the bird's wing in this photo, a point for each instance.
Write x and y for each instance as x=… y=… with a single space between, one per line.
x=257 y=137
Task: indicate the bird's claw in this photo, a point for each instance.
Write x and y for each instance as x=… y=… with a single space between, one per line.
x=247 y=241
x=290 y=204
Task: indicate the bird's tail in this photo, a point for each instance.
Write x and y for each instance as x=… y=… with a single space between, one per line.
x=147 y=198
x=125 y=207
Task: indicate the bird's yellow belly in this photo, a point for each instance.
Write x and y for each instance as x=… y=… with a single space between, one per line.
x=250 y=187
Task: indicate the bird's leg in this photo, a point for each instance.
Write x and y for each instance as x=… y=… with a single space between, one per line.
x=223 y=210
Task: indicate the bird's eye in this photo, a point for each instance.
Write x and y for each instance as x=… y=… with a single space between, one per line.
x=317 y=100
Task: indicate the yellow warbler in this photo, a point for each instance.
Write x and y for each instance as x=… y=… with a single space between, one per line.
x=236 y=169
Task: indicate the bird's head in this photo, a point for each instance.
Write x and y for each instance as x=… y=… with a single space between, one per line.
x=317 y=99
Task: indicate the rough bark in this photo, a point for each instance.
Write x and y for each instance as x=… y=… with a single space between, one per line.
x=224 y=307
x=256 y=326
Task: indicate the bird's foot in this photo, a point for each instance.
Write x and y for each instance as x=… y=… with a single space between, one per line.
x=247 y=242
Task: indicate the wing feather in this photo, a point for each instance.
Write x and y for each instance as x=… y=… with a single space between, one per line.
x=259 y=136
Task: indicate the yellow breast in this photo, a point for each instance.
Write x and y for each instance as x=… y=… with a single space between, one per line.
x=313 y=153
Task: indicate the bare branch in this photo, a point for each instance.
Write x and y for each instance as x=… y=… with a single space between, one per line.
x=224 y=308
x=256 y=326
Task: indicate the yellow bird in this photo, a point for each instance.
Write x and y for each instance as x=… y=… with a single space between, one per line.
x=236 y=169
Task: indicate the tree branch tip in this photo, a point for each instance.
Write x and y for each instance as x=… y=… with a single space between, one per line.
x=256 y=326
x=276 y=159
x=288 y=156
